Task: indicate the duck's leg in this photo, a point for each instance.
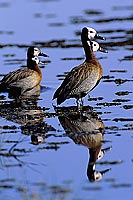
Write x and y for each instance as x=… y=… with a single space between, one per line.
x=88 y=96
x=80 y=103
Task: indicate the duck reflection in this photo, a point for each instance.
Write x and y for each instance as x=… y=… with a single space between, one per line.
x=26 y=112
x=38 y=131
x=32 y=93
x=21 y=110
x=85 y=128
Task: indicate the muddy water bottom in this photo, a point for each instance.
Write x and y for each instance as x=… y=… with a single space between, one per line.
x=50 y=152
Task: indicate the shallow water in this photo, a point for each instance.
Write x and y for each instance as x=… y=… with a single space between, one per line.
x=41 y=156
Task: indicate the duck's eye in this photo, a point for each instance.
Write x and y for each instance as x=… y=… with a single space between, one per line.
x=91 y=31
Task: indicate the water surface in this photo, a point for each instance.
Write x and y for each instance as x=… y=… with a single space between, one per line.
x=41 y=156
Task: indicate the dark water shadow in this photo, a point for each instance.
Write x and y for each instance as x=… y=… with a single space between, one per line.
x=85 y=128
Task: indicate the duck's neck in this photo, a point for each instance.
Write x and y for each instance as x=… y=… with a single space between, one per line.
x=34 y=66
x=87 y=49
x=90 y=57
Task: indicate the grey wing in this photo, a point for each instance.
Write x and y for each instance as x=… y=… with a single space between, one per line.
x=14 y=76
x=65 y=86
x=73 y=80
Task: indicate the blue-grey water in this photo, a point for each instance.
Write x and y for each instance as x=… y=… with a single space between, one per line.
x=56 y=167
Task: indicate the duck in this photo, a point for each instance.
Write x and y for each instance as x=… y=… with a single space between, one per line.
x=84 y=77
x=22 y=80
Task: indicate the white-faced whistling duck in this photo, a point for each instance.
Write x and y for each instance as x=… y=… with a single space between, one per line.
x=23 y=80
x=83 y=78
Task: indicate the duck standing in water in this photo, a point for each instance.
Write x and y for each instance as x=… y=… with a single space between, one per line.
x=22 y=80
x=83 y=78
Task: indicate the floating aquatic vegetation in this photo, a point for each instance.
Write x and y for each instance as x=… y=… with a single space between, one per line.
x=55 y=189
x=6 y=186
x=51 y=43
x=129 y=58
x=108 y=104
x=95 y=188
x=102 y=57
x=61 y=76
x=118 y=81
x=121 y=100
x=50 y=15
x=49 y=147
x=95 y=99
x=123 y=43
x=121 y=185
x=56 y=24
x=78 y=20
x=14 y=61
x=93 y=12
x=128 y=107
x=122 y=119
x=129 y=125
x=107 y=77
x=112 y=128
x=109 y=31
x=110 y=162
x=115 y=129
x=64 y=43
x=6 y=32
x=69 y=58
x=9 y=55
x=38 y=15
x=4 y=4
x=122 y=93
x=8 y=129
x=10 y=152
x=110 y=180
x=119 y=70
x=114 y=19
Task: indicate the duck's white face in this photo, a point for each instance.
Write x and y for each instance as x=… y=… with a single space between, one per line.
x=100 y=155
x=97 y=176
x=36 y=51
x=36 y=59
x=91 y=33
x=94 y=45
